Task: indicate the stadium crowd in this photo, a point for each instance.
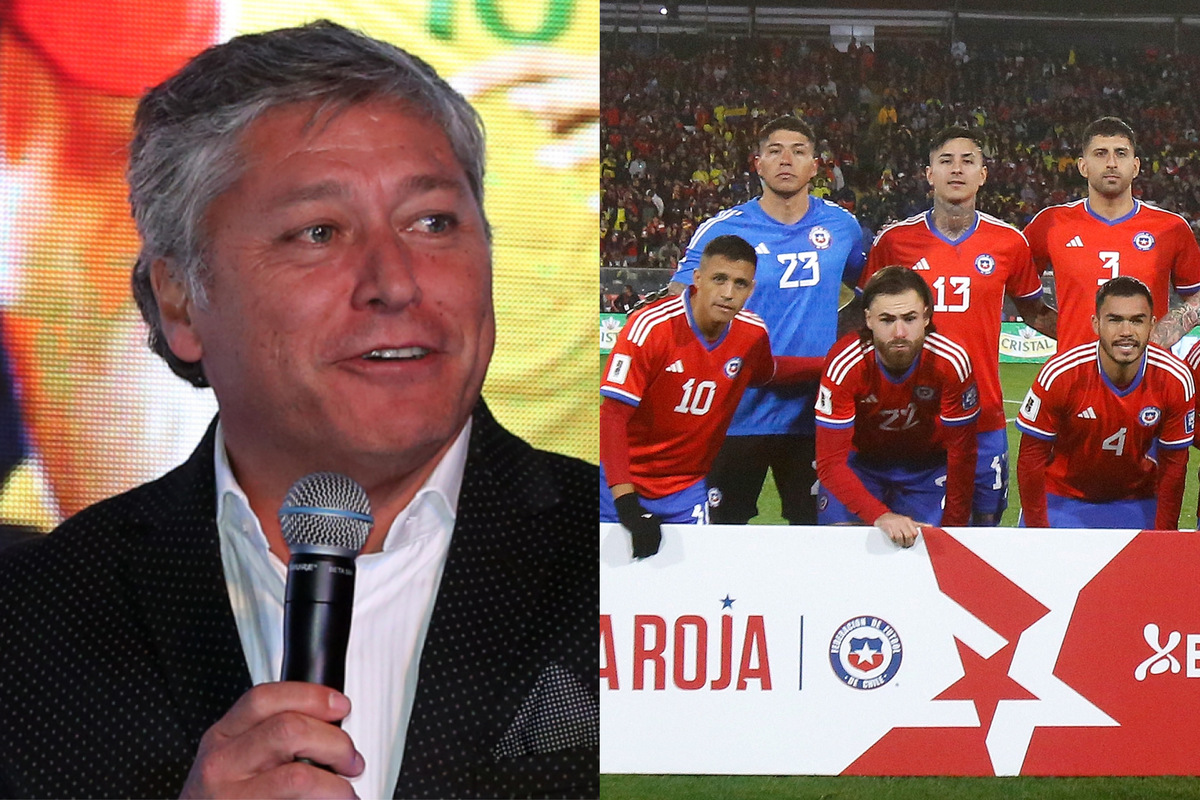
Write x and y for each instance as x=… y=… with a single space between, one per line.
x=678 y=130
x=802 y=154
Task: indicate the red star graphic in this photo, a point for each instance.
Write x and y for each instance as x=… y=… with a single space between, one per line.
x=985 y=681
x=1005 y=608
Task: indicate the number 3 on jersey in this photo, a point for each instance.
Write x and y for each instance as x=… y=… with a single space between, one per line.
x=960 y=287
x=806 y=263
x=1112 y=263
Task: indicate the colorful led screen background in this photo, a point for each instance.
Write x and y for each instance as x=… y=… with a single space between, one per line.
x=85 y=409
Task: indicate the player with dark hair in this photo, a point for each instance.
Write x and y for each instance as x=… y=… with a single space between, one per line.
x=807 y=247
x=1088 y=242
x=1106 y=426
x=971 y=260
x=674 y=379
x=896 y=413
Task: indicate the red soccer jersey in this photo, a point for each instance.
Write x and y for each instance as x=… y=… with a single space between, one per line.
x=1102 y=435
x=1085 y=250
x=896 y=419
x=1193 y=361
x=969 y=278
x=685 y=390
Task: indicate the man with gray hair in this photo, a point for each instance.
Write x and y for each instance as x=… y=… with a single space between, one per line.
x=315 y=250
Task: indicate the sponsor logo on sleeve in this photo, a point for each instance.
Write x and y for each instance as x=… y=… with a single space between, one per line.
x=970 y=398
x=824 y=402
x=618 y=370
x=1030 y=406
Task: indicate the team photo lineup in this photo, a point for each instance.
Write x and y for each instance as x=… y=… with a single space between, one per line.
x=846 y=246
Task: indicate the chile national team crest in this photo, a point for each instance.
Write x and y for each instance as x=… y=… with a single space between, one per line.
x=985 y=264
x=820 y=237
x=732 y=367
x=865 y=653
x=1149 y=415
x=1143 y=240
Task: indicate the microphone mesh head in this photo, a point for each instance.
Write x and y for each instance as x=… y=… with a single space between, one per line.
x=326 y=509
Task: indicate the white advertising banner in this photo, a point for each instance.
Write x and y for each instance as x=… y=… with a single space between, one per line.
x=797 y=650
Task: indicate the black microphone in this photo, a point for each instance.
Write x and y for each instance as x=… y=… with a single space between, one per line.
x=325 y=520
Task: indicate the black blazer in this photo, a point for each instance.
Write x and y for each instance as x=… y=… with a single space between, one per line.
x=118 y=648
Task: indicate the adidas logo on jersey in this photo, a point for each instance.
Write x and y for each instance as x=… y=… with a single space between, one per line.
x=922 y=264
x=762 y=249
x=676 y=367
x=870 y=399
x=1087 y=413
x=1076 y=242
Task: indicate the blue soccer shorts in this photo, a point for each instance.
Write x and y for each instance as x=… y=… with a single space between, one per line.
x=686 y=507
x=1068 y=512
x=917 y=492
x=991 y=473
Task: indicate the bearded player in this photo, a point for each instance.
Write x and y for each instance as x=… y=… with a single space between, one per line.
x=674 y=379
x=971 y=261
x=1090 y=241
x=1106 y=426
x=896 y=413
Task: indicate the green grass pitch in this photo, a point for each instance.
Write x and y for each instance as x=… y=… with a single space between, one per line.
x=1016 y=379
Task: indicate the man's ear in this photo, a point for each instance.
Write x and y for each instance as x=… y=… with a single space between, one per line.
x=175 y=307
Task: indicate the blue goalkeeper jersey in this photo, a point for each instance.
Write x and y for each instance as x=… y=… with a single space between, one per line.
x=801 y=268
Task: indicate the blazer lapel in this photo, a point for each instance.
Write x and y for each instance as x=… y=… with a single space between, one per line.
x=469 y=687
x=179 y=585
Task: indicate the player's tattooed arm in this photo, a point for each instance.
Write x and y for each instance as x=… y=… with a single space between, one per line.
x=1037 y=315
x=1177 y=322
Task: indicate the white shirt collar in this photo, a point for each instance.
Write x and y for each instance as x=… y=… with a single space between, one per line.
x=439 y=494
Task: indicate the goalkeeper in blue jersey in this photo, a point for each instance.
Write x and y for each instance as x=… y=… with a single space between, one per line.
x=807 y=249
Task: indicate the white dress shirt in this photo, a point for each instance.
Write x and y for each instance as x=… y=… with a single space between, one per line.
x=393 y=602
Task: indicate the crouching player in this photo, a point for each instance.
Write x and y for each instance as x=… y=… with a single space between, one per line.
x=896 y=413
x=1106 y=425
x=674 y=378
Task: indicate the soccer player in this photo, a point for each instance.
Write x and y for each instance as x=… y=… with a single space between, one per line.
x=674 y=378
x=1090 y=241
x=807 y=247
x=971 y=261
x=896 y=413
x=1097 y=419
x=1193 y=361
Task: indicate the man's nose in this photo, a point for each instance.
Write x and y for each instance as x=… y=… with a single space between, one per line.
x=387 y=277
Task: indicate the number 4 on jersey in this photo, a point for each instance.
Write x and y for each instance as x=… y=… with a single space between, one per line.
x=1115 y=443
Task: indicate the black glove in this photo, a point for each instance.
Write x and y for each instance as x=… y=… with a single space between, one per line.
x=645 y=529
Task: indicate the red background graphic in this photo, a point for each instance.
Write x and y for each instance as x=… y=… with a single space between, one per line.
x=142 y=43
x=1159 y=718
x=1005 y=608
